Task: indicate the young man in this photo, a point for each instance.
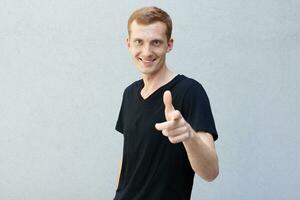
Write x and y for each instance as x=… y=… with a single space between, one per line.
x=165 y=118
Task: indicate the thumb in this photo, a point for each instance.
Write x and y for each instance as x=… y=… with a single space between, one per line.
x=168 y=102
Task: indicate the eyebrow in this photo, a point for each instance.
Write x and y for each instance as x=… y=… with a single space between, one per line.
x=134 y=39
x=158 y=39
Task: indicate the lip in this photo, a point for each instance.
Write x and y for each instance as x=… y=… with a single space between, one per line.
x=147 y=62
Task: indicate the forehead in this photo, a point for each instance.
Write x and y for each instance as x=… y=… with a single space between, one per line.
x=155 y=30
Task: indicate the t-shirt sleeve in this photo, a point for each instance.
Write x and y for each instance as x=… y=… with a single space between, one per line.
x=197 y=110
x=119 y=125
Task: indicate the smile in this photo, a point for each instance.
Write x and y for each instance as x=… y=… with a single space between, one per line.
x=147 y=61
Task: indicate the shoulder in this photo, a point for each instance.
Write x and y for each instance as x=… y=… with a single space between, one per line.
x=133 y=87
x=190 y=85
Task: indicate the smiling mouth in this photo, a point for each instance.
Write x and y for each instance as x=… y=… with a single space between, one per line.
x=147 y=61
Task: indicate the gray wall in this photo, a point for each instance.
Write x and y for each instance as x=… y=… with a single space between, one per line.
x=63 y=68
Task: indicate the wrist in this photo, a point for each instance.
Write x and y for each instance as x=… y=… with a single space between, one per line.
x=192 y=133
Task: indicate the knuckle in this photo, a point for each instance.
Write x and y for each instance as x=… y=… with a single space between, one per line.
x=172 y=140
x=177 y=131
x=172 y=123
x=165 y=132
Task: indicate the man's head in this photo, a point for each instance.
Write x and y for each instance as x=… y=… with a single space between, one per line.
x=149 y=39
x=150 y=15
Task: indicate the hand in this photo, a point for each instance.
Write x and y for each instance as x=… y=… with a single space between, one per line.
x=175 y=128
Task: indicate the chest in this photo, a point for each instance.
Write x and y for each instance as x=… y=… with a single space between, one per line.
x=140 y=120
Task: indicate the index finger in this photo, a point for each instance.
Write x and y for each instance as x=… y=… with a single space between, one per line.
x=164 y=125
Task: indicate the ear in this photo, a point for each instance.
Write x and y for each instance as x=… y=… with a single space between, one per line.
x=170 y=45
x=128 y=42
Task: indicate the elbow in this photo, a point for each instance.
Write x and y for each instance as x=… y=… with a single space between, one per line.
x=212 y=176
x=212 y=172
x=209 y=176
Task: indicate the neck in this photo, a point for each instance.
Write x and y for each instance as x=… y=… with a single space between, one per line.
x=154 y=81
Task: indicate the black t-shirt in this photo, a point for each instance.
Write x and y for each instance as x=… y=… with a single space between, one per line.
x=153 y=168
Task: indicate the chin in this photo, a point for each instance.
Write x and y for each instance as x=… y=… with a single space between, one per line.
x=148 y=70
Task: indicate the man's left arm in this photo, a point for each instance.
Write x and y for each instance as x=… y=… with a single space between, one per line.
x=202 y=155
x=199 y=146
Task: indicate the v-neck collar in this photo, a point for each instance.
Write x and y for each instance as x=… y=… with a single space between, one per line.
x=142 y=99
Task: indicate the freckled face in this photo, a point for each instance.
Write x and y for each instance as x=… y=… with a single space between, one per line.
x=148 y=45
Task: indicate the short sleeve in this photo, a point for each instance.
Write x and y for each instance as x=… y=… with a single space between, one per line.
x=120 y=122
x=197 y=110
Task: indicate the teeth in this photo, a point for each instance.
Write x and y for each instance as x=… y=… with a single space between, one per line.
x=146 y=61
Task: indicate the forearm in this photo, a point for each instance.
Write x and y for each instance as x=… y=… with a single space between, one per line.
x=202 y=155
x=119 y=173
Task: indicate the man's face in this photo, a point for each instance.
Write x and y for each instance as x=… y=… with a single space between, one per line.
x=148 y=45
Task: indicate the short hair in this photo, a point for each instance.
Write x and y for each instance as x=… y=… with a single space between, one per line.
x=149 y=15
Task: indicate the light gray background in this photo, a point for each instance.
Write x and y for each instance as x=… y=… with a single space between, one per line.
x=63 y=68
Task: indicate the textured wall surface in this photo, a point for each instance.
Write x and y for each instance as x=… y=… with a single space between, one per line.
x=63 y=68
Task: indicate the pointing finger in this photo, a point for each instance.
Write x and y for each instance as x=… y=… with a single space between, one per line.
x=164 y=125
x=169 y=125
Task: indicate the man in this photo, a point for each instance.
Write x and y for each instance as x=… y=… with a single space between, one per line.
x=165 y=119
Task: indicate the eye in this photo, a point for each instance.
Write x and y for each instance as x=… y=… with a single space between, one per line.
x=138 y=42
x=156 y=42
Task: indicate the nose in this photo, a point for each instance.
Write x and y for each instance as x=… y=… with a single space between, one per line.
x=146 y=50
